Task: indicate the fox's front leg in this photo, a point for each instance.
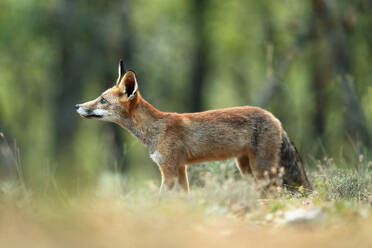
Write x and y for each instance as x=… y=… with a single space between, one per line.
x=169 y=157
x=172 y=176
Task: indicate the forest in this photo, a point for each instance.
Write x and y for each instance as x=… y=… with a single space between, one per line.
x=307 y=62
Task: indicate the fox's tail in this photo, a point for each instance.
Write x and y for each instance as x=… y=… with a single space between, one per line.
x=294 y=171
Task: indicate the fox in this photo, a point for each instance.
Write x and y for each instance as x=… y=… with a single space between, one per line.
x=251 y=135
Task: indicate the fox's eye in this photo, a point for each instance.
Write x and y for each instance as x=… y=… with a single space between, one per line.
x=103 y=100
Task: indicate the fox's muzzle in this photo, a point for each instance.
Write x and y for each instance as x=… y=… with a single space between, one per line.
x=90 y=113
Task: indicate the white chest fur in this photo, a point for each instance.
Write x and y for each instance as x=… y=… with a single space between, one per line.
x=157 y=157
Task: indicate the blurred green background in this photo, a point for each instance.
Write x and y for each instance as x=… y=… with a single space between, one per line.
x=309 y=62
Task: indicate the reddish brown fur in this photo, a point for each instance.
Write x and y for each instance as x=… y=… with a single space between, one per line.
x=250 y=134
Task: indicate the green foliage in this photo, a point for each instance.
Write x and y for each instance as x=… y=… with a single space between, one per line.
x=61 y=52
x=336 y=183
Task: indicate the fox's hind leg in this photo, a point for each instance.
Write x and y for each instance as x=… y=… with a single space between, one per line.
x=244 y=165
x=183 y=181
x=264 y=165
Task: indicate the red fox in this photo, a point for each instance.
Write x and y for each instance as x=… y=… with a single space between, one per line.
x=251 y=135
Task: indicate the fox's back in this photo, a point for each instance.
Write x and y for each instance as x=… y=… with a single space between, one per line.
x=224 y=133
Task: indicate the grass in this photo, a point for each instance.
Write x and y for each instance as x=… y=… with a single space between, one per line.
x=221 y=210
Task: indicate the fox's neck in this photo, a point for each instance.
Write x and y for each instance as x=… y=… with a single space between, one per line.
x=145 y=123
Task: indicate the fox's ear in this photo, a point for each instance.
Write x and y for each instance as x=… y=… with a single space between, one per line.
x=128 y=84
x=121 y=71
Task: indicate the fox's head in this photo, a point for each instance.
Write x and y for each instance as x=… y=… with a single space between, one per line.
x=115 y=103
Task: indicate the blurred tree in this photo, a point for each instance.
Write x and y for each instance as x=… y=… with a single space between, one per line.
x=72 y=63
x=320 y=68
x=124 y=48
x=199 y=64
x=341 y=52
x=282 y=62
x=334 y=48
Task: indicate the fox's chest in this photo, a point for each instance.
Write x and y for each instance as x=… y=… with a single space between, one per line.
x=157 y=157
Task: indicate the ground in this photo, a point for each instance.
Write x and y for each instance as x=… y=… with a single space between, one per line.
x=222 y=210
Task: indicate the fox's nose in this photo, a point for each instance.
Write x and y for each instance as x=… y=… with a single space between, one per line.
x=77 y=106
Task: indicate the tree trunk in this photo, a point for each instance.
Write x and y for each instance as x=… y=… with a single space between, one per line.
x=340 y=50
x=123 y=51
x=320 y=69
x=70 y=84
x=200 y=63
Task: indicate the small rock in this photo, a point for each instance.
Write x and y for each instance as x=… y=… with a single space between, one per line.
x=269 y=217
x=216 y=210
x=302 y=216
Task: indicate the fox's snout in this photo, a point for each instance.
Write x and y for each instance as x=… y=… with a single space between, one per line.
x=89 y=112
x=83 y=111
